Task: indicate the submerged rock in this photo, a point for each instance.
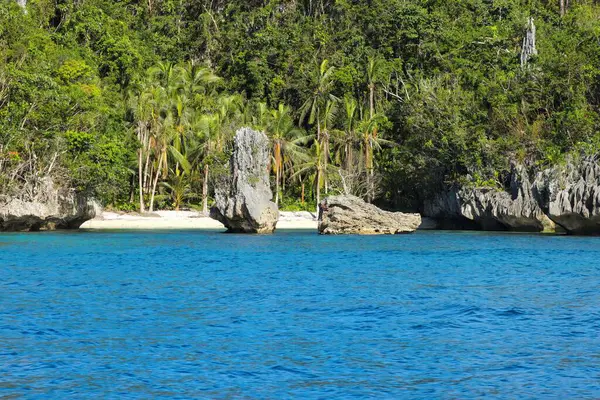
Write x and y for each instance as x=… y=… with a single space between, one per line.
x=570 y=195
x=491 y=209
x=52 y=208
x=243 y=203
x=351 y=215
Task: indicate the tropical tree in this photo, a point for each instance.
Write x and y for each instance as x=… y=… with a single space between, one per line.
x=321 y=92
x=314 y=169
x=370 y=143
x=179 y=180
x=374 y=69
x=284 y=136
x=345 y=140
x=328 y=114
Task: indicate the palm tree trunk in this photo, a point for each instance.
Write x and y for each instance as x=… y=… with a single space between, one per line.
x=205 y=190
x=147 y=149
x=369 y=168
x=318 y=190
x=349 y=158
x=371 y=100
x=132 y=185
x=140 y=177
x=302 y=195
x=325 y=160
x=278 y=165
x=277 y=187
x=318 y=126
x=158 y=171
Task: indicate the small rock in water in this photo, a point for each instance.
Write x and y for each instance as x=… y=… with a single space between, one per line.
x=351 y=215
x=243 y=204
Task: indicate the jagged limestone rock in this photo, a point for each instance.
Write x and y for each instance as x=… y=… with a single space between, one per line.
x=570 y=195
x=491 y=209
x=351 y=215
x=52 y=208
x=529 y=48
x=243 y=203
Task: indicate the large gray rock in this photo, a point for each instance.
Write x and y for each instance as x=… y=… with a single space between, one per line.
x=243 y=203
x=51 y=208
x=351 y=215
x=491 y=209
x=570 y=195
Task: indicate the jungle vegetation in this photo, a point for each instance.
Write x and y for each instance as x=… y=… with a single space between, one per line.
x=136 y=102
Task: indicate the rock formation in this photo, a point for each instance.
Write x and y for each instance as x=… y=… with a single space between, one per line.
x=243 y=203
x=51 y=209
x=491 y=209
x=570 y=195
x=351 y=215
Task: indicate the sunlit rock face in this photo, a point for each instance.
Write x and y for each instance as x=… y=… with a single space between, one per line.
x=491 y=209
x=51 y=208
x=243 y=202
x=570 y=195
x=351 y=215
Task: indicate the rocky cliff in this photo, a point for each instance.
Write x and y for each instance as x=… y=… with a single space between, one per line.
x=565 y=197
x=490 y=209
x=243 y=203
x=49 y=209
x=570 y=195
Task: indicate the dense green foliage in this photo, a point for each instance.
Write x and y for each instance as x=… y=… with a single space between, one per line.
x=387 y=99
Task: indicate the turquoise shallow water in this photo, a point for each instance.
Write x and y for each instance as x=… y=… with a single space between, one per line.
x=295 y=315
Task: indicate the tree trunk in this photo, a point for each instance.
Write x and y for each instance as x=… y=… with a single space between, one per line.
x=371 y=99
x=325 y=159
x=369 y=167
x=277 y=187
x=318 y=126
x=147 y=149
x=318 y=190
x=564 y=7
x=132 y=185
x=302 y=195
x=278 y=165
x=141 y=178
x=155 y=183
x=349 y=157
x=205 y=191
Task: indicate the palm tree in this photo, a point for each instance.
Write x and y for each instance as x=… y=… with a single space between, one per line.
x=323 y=82
x=166 y=75
x=196 y=80
x=373 y=71
x=370 y=143
x=315 y=169
x=329 y=112
x=283 y=133
x=229 y=109
x=179 y=184
x=207 y=127
x=346 y=140
x=141 y=109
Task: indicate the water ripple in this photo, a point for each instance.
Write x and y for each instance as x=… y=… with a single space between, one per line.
x=185 y=315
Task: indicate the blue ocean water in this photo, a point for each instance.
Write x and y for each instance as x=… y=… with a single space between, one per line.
x=183 y=315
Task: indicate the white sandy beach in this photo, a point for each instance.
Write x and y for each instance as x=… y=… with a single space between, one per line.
x=186 y=220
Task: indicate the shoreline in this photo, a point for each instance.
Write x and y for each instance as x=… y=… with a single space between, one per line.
x=186 y=220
